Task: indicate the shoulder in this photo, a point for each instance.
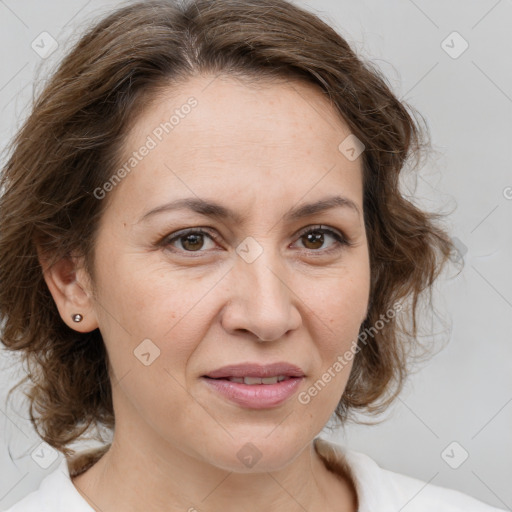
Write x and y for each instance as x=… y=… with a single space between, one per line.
x=423 y=496
x=384 y=490
x=56 y=493
x=45 y=497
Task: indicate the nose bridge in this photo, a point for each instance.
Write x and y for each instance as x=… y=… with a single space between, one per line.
x=264 y=303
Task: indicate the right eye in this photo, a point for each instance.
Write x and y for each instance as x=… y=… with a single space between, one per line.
x=191 y=240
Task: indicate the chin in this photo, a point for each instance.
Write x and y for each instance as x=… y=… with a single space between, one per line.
x=255 y=454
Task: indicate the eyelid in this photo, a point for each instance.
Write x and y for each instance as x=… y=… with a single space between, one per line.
x=176 y=235
x=320 y=227
x=342 y=241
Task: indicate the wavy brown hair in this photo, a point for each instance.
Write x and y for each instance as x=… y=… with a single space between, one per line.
x=72 y=142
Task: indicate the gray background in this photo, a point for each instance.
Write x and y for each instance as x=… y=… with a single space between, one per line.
x=464 y=393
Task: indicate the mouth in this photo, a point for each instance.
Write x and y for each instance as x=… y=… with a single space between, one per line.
x=255 y=386
x=255 y=373
x=252 y=381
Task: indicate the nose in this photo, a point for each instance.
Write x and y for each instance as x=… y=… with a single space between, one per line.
x=262 y=300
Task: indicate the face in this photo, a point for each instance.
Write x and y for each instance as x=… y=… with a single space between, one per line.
x=182 y=292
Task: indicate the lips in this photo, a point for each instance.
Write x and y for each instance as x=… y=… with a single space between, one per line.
x=256 y=386
x=256 y=370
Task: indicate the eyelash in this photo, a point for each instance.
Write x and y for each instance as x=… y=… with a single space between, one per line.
x=341 y=240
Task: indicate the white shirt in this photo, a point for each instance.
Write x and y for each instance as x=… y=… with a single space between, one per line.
x=378 y=489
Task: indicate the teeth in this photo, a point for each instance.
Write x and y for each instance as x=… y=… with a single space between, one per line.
x=253 y=380
x=257 y=380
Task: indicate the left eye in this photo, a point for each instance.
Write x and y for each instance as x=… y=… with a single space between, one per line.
x=316 y=236
x=192 y=240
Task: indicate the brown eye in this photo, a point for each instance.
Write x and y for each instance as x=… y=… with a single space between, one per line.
x=314 y=238
x=190 y=241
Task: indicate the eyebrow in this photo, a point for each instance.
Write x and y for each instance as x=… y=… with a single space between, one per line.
x=216 y=210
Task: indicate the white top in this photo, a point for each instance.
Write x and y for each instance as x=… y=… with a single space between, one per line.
x=378 y=489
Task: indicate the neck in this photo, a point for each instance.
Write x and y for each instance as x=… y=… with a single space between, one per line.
x=133 y=478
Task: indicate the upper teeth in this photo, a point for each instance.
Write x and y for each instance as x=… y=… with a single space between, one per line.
x=258 y=380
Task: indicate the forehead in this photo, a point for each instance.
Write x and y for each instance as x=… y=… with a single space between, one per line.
x=212 y=135
x=227 y=111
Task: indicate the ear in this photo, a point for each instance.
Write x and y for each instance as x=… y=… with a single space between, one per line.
x=70 y=287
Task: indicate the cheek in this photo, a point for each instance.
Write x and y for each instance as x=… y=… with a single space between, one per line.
x=345 y=316
x=151 y=328
x=146 y=299
x=336 y=344
x=144 y=310
x=341 y=307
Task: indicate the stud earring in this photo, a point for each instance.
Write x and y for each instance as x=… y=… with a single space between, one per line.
x=77 y=318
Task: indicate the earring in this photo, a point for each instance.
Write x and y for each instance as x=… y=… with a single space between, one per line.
x=77 y=318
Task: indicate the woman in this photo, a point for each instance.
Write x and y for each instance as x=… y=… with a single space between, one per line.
x=205 y=250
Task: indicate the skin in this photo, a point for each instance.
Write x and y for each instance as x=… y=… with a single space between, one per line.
x=260 y=149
